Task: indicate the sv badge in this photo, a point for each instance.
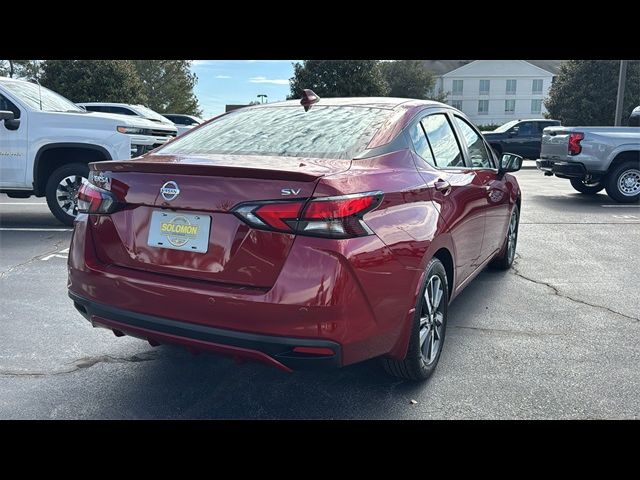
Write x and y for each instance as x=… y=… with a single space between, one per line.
x=290 y=191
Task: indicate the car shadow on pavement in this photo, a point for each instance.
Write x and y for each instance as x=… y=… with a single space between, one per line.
x=178 y=385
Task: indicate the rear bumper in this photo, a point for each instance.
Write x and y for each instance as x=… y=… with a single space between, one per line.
x=272 y=350
x=562 y=169
x=334 y=299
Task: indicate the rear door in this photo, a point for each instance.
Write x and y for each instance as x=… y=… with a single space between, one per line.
x=456 y=189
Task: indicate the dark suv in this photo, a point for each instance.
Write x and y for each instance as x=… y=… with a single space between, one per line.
x=522 y=137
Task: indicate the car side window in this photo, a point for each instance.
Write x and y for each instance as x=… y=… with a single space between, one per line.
x=478 y=153
x=527 y=129
x=444 y=145
x=421 y=145
x=6 y=104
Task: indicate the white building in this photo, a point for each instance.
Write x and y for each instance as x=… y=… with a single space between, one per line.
x=495 y=91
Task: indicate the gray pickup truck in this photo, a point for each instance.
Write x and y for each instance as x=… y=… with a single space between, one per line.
x=593 y=158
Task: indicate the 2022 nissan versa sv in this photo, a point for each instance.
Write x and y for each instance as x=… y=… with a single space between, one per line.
x=315 y=235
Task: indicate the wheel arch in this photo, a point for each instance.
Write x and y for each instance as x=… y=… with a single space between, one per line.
x=623 y=155
x=53 y=155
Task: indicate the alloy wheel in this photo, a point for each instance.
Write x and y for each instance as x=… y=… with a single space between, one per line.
x=67 y=193
x=512 y=236
x=432 y=320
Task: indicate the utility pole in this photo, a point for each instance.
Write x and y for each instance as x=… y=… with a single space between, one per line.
x=620 y=100
x=263 y=97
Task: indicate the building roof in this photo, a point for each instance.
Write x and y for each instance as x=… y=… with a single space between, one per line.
x=552 y=66
x=440 y=67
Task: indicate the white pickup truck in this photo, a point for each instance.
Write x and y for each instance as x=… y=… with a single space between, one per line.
x=46 y=142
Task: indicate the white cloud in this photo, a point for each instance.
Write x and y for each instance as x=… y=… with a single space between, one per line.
x=275 y=81
x=223 y=76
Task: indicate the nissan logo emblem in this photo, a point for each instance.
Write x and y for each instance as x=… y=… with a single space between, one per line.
x=170 y=191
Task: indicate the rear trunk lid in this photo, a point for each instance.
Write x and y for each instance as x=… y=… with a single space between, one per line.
x=209 y=187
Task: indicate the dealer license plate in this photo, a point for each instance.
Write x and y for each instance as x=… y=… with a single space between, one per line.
x=179 y=231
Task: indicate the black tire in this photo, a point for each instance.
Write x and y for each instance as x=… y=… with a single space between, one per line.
x=51 y=190
x=586 y=188
x=415 y=366
x=622 y=171
x=505 y=258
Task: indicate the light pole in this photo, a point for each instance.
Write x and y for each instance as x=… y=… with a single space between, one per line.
x=263 y=97
x=620 y=100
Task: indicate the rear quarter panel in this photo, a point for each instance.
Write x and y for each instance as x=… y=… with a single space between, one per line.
x=408 y=224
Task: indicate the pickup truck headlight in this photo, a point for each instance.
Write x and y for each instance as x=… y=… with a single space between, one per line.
x=134 y=130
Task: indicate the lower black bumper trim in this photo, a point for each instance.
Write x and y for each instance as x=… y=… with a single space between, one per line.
x=562 y=169
x=279 y=348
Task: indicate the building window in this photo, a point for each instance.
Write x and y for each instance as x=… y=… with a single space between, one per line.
x=456 y=104
x=457 y=87
x=511 y=87
x=483 y=107
x=537 y=87
x=536 y=105
x=484 y=87
x=509 y=106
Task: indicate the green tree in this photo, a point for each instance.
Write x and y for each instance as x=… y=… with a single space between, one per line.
x=93 y=80
x=20 y=68
x=168 y=85
x=584 y=92
x=338 y=78
x=409 y=79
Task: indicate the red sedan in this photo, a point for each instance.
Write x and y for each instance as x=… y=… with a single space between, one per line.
x=313 y=235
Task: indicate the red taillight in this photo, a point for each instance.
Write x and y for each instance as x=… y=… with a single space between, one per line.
x=333 y=217
x=329 y=209
x=276 y=214
x=92 y=199
x=574 y=143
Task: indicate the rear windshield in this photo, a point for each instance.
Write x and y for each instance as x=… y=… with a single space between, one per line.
x=322 y=132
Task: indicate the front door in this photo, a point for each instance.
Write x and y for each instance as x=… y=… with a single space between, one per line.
x=495 y=195
x=524 y=140
x=13 y=148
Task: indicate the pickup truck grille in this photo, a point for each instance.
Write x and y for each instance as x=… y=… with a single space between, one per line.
x=162 y=133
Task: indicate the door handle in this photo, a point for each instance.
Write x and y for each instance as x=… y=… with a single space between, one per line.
x=442 y=186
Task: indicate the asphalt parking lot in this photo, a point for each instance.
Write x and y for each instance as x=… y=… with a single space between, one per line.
x=558 y=336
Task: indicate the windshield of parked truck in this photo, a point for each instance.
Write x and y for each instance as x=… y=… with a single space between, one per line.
x=150 y=114
x=506 y=126
x=35 y=96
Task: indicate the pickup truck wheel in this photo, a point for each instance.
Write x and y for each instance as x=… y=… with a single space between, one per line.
x=623 y=183
x=588 y=188
x=62 y=190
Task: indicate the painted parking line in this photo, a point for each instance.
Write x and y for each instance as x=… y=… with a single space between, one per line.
x=20 y=229
x=22 y=203
x=60 y=254
x=620 y=206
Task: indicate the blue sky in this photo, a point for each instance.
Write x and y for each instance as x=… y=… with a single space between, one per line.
x=222 y=82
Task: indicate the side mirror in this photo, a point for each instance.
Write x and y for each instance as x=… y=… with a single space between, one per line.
x=514 y=132
x=6 y=115
x=10 y=120
x=510 y=162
